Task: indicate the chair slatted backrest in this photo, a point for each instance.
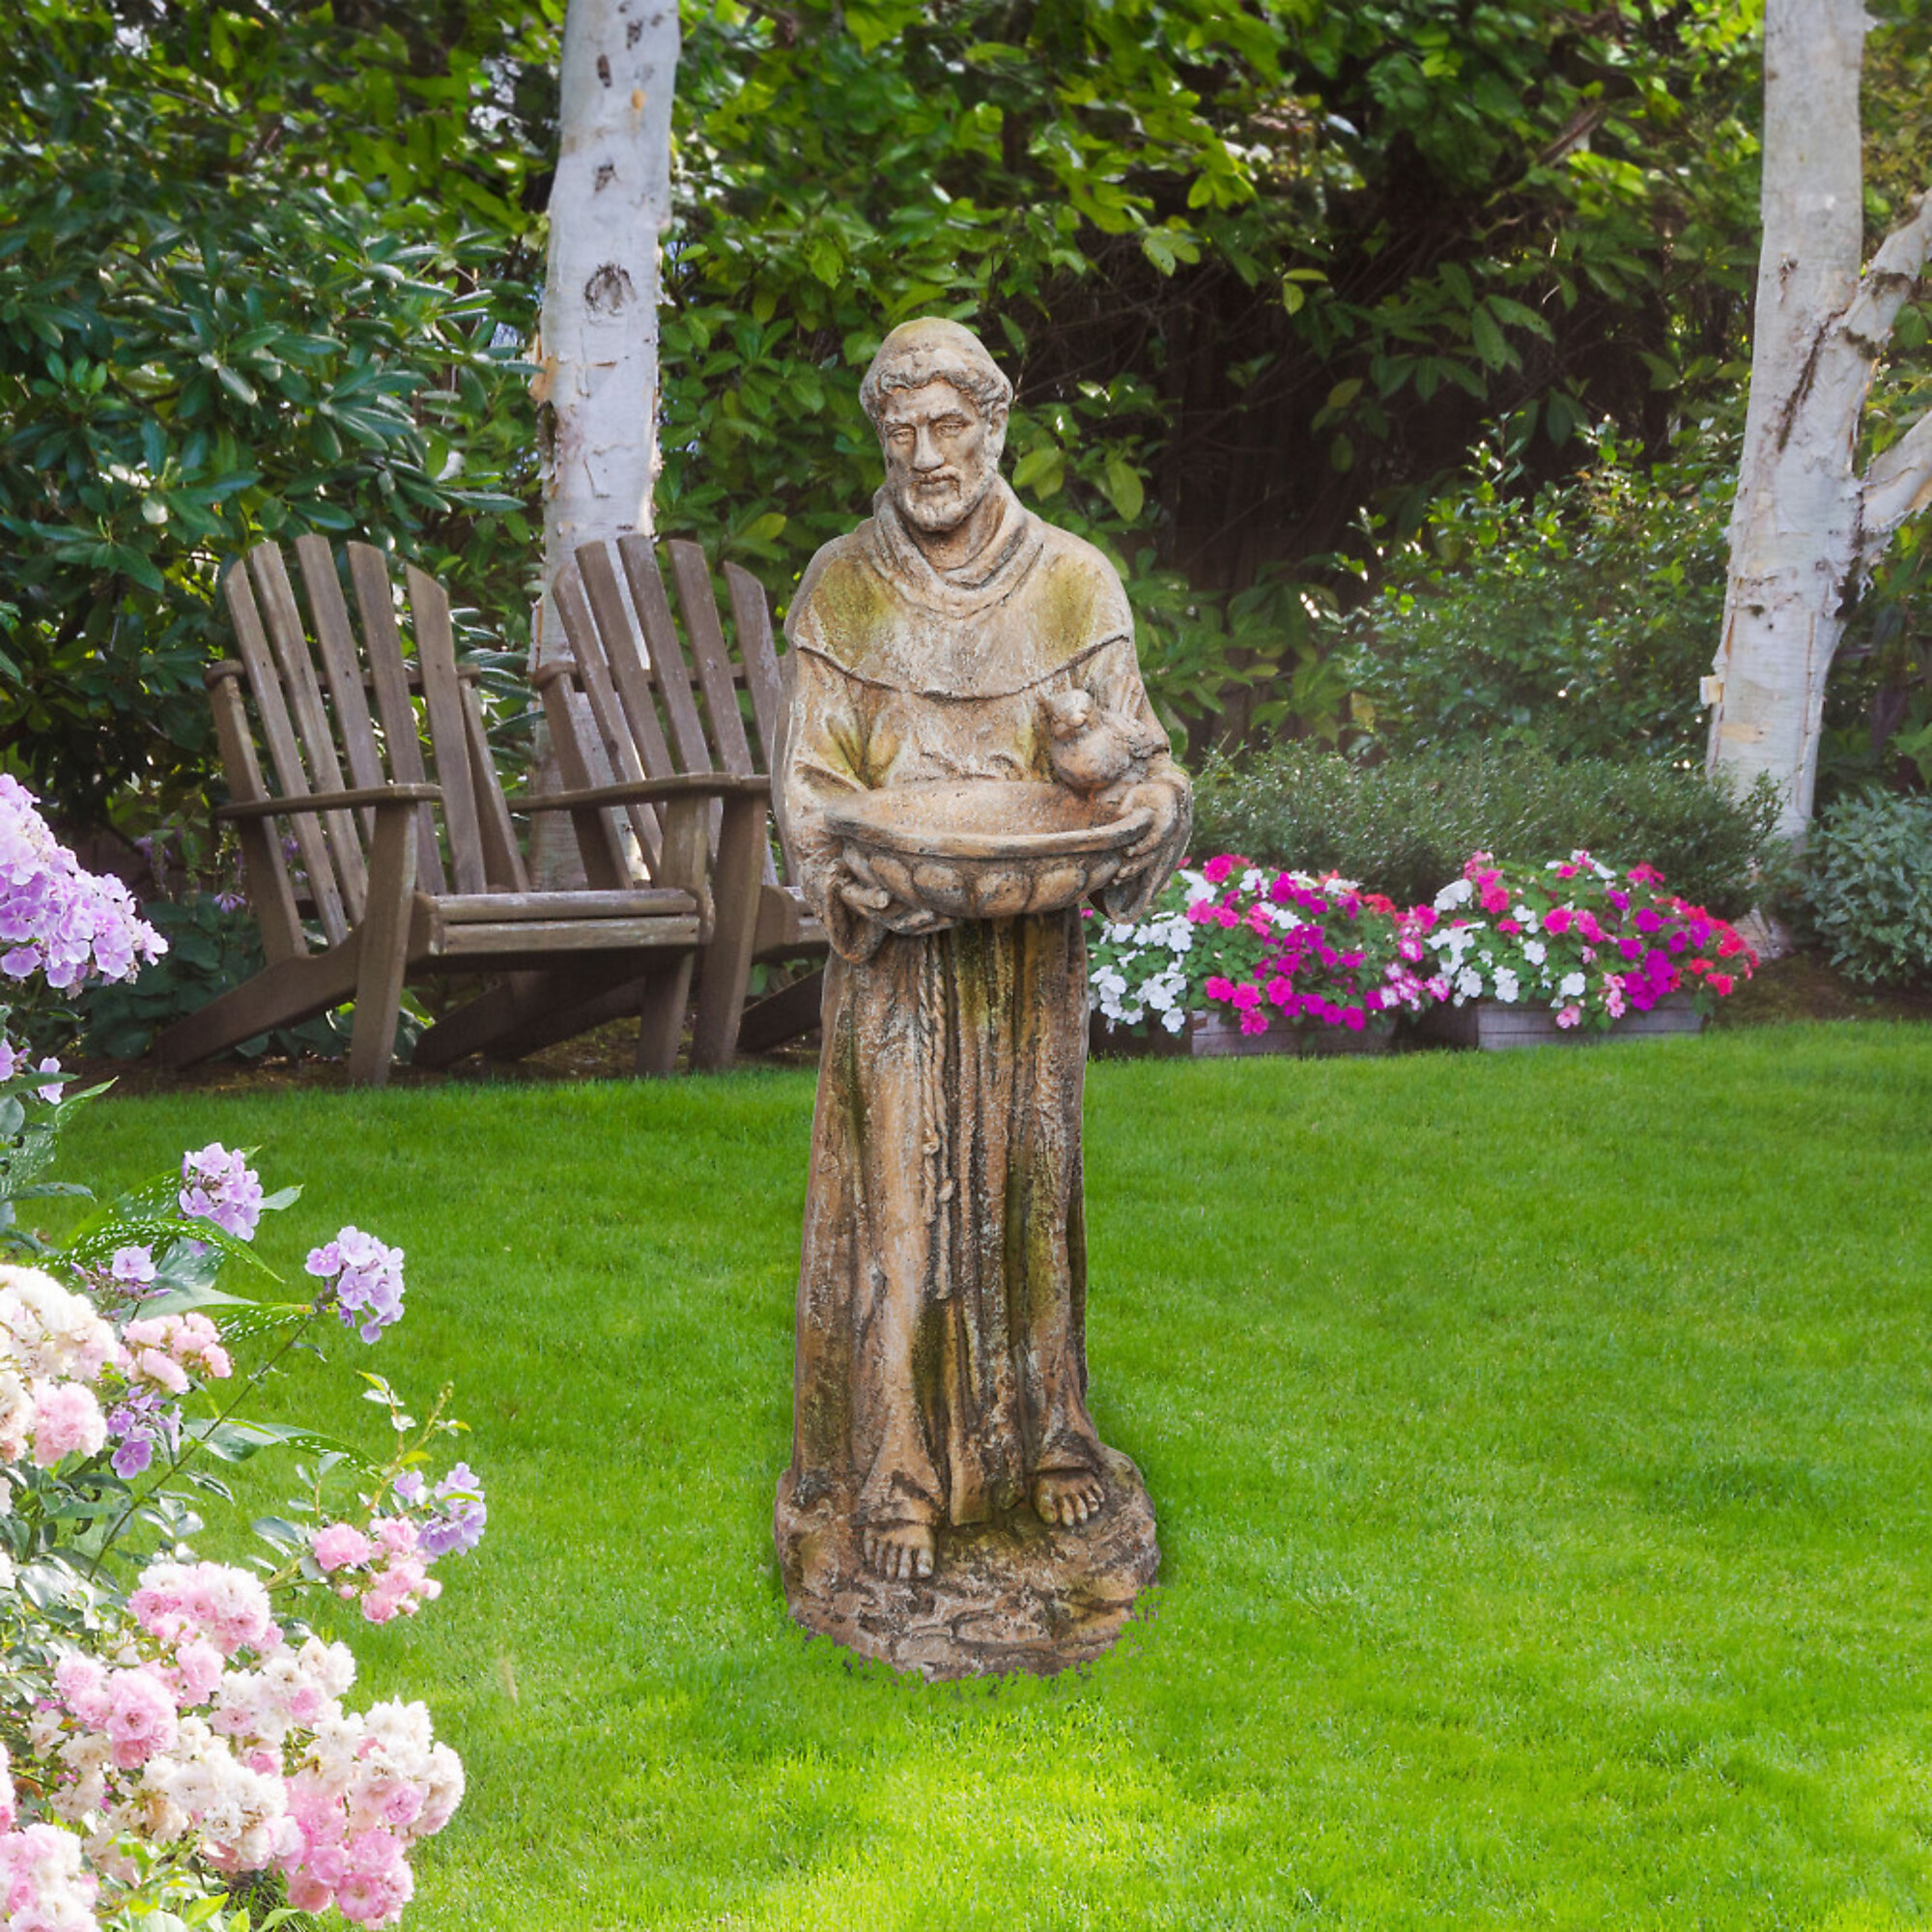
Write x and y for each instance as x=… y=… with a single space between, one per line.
x=312 y=705
x=664 y=703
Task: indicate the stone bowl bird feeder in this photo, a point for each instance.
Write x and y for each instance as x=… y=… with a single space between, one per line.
x=985 y=848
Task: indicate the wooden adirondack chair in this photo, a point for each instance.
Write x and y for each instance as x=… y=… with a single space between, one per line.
x=665 y=706
x=408 y=853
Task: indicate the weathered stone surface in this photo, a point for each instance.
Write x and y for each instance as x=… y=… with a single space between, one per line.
x=1003 y=1597
x=968 y=753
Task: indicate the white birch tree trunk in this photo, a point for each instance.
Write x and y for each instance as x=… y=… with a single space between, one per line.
x=1806 y=528
x=597 y=383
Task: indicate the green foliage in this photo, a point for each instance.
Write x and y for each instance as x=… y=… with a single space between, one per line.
x=1576 y=619
x=1253 y=270
x=1868 y=865
x=213 y=947
x=202 y=345
x=262 y=269
x=1406 y=828
x=1878 y=708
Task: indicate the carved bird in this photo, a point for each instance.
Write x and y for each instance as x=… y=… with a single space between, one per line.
x=1093 y=750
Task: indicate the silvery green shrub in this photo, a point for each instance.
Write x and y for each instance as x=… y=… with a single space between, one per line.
x=1869 y=868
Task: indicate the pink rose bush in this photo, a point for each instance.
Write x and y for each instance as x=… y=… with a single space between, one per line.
x=164 y=1724
x=1575 y=935
x=210 y=1738
x=1269 y=947
x=181 y=1735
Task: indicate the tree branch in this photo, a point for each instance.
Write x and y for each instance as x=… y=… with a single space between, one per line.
x=1888 y=280
x=1897 y=484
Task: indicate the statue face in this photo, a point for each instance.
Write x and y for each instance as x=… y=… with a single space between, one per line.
x=942 y=455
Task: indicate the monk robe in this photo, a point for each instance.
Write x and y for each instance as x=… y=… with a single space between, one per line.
x=941 y=1360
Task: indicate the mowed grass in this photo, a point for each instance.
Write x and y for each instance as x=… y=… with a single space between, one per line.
x=1540 y=1441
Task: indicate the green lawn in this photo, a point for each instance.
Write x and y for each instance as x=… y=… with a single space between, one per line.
x=1540 y=1444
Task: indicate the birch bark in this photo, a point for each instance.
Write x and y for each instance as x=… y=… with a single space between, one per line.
x=1807 y=526
x=597 y=383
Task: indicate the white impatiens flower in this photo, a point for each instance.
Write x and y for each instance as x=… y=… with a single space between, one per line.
x=1468 y=984
x=1507 y=987
x=1457 y=893
x=1572 y=986
x=1535 y=951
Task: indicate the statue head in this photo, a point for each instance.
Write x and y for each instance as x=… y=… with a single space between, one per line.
x=939 y=403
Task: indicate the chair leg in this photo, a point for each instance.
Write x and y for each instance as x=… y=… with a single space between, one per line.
x=727 y=969
x=667 y=992
x=783 y=1015
x=382 y=944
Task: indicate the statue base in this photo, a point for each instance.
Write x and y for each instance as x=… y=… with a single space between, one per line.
x=1020 y=1595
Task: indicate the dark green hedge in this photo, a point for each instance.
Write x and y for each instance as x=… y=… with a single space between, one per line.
x=1406 y=827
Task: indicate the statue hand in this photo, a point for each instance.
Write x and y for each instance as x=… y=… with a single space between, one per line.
x=895 y=914
x=1164 y=801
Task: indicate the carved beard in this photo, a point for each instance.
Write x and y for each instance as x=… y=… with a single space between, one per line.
x=942 y=499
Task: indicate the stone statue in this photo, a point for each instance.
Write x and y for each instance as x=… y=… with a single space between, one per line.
x=948 y=1505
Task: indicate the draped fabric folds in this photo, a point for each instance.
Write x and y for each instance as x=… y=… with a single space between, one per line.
x=941 y=1360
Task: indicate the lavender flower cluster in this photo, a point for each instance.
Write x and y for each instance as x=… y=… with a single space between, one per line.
x=57 y=919
x=366 y=1278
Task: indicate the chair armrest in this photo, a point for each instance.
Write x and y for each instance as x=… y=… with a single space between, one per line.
x=647 y=791
x=333 y=800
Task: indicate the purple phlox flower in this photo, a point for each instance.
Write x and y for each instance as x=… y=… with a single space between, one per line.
x=410 y=1488
x=366 y=1277
x=131 y=1269
x=141 y=1422
x=461 y=1515
x=220 y=1186
x=49 y=1090
x=57 y=919
x=9 y=1058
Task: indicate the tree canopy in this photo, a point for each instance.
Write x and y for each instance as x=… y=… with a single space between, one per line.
x=1256 y=272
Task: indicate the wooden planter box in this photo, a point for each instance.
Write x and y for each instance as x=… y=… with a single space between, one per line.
x=1495 y=1028
x=1211 y=1037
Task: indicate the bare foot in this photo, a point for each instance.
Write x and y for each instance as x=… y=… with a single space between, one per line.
x=1067 y=1497
x=899 y=1551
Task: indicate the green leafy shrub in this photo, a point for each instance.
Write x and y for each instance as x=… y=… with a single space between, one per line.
x=1406 y=827
x=198 y=349
x=1577 y=620
x=211 y=949
x=1869 y=886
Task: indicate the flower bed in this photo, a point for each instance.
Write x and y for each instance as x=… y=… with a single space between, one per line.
x=166 y=1725
x=1267 y=951
x=1572 y=937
